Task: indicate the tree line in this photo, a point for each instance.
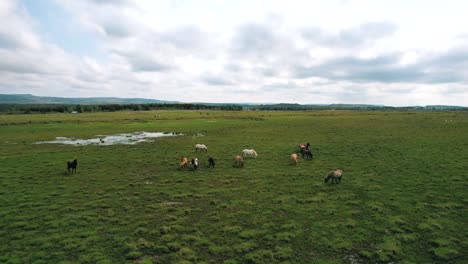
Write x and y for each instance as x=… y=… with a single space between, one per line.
x=62 y=108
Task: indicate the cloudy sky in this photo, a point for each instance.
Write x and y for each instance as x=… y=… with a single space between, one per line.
x=391 y=52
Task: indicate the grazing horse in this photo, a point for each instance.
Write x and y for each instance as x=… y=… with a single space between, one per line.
x=201 y=147
x=250 y=152
x=72 y=165
x=307 y=153
x=194 y=163
x=294 y=158
x=302 y=146
x=211 y=161
x=238 y=161
x=335 y=176
x=183 y=163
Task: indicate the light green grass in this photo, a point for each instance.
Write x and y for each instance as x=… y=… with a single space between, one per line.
x=402 y=197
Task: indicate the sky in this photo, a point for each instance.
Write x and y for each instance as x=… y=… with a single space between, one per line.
x=385 y=52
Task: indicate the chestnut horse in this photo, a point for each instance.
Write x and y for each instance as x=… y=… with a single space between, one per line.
x=183 y=163
x=294 y=158
x=238 y=161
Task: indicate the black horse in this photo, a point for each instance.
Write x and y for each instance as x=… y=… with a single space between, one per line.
x=302 y=146
x=307 y=153
x=211 y=161
x=71 y=165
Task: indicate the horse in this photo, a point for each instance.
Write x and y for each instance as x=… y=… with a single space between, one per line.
x=251 y=152
x=238 y=161
x=294 y=158
x=72 y=165
x=194 y=163
x=211 y=161
x=183 y=163
x=302 y=146
x=307 y=153
x=335 y=176
x=201 y=147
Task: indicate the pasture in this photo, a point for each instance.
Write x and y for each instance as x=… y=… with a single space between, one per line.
x=403 y=196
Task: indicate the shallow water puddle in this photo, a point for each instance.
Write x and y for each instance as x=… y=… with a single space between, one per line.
x=116 y=139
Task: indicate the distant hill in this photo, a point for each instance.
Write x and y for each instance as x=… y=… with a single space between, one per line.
x=23 y=101
x=32 y=99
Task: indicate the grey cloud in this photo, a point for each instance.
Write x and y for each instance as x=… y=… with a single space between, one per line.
x=141 y=64
x=216 y=80
x=8 y=66
x=455 y=90
x=378 y=69
x=157 y=51
x=112 y=2
x=266 y=49
x=279 y=85
x=314 y=34
x=117 y=28
x=268 y=71
x=457 y=57
x=186 y=37
x=253 y=40
x=233 y=67
x=47 y=62
x=6 y=41
x=443 y=68
x=352 y=37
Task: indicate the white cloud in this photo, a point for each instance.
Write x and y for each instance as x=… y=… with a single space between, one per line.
x=244 y=51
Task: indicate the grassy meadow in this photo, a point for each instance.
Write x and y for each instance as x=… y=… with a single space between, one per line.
x=403 y=197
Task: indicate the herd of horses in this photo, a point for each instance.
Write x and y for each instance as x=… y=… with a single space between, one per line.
x=304 y=149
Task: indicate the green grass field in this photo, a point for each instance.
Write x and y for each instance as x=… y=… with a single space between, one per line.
x=403 y=197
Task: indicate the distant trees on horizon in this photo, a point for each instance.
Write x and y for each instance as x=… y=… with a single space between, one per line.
x=62 y=108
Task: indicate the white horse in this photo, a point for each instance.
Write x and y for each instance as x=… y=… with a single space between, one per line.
x=201 y=147
x=250 y=152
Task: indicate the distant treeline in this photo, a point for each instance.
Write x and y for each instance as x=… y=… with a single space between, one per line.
x=66 y=108
x=61 y=108
x=356 y=107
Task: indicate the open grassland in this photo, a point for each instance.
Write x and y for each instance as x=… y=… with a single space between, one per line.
x=403 y=197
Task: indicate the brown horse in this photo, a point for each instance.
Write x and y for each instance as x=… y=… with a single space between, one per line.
x=294 y=158
x=304 y=146
x=183 y=163
x=238 y=161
